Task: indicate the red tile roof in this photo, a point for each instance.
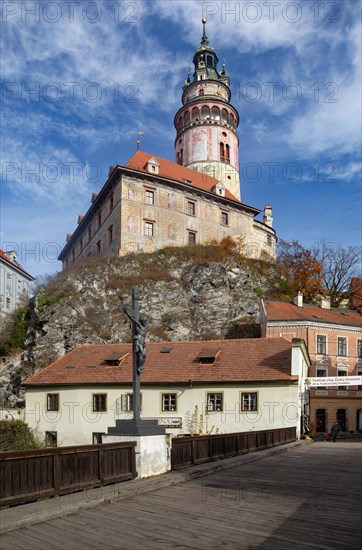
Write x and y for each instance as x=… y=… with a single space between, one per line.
x=238 y=361
x=4 y=256
x=286 y=311
x=172 y=170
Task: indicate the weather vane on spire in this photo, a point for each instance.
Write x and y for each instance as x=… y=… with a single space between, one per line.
x=204 y=39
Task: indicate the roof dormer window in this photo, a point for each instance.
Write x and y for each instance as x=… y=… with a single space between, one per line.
x=153 y=166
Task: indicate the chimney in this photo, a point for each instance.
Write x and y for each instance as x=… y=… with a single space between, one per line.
x=298 y=300
x=12 y=255
x=325 y=302
x=268 y=215
x=80 y=219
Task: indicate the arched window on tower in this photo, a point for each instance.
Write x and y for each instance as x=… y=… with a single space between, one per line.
x=186 y=119
x=225 y=116
x=215 y=113
x=195 y=114
x=209 y=60
x=205 y=112
x=232 y=120
x=227 y=154
x=222 y=152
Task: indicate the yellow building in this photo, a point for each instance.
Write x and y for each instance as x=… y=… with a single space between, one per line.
x=150 y=202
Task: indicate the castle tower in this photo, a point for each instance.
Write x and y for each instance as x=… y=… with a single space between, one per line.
x=206 y=124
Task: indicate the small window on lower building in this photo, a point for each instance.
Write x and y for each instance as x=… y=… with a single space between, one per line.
x=53 y=402
x=269 y=240
x=149 y=229
x=51 y=439
x=249 y=401
x=98 y=247
x=99 y=402
x=214 y=402
x=191 y=237
x=8 y=303
x=169 y=402
x=97 y=438
x=126 y=403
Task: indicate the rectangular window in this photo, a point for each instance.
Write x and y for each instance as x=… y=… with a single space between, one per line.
x=342 y=373
x=169 y=402
x=224 y=218
x=342 y=347
x=99 y=402
x=89 y=233
x=52 y=401
x=191 y=208
x=269 y=240
x=359 y=349
x=149 y=229
x=81 y=245
x=111 y=202
x=98 y=247
x=8 y=281
x=149 y=197
x=127 y=402
x=359 y=373
x=8 y=303
x=214 y=402
x=110 y=234
x=191 y=237
x=321 y=344
x=321 y=373
x=51 y=439
x=99 y=219
x=249 y=401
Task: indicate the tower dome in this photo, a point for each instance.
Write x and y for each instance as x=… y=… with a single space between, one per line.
x=206 y=124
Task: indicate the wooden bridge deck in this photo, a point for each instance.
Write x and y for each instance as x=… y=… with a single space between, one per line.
x=309 y=497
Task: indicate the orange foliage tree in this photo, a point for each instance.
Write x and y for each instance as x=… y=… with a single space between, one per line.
x=302 y=270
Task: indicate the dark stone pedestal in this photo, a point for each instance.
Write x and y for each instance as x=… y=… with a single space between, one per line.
x=139 y=427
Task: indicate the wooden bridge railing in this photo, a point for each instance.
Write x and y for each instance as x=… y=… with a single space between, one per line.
x=191 y=450
x=29 y=475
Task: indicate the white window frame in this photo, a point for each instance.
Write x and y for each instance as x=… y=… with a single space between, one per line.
x=326 y=344
x=346 y=346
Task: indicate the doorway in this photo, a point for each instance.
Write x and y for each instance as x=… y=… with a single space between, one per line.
x=321 y=420
x=342 y=419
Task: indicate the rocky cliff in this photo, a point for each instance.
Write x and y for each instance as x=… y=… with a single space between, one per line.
x=192 y=293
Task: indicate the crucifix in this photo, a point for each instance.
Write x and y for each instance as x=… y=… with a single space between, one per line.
x=139 y=323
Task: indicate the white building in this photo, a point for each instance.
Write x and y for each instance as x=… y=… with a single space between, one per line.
x=14 y=282
x=219 y=386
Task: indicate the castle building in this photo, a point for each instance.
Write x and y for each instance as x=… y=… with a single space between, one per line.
x=150 y=202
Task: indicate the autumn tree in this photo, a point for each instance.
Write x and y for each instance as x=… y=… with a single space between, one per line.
x=340 y=265
x=301 y=269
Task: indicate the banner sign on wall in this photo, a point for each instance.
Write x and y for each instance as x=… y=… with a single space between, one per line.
x=334 y=381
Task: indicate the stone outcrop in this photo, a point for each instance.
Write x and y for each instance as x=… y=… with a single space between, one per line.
x=188 y=298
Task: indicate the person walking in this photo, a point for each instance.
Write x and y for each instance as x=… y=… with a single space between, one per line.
x=335 y=431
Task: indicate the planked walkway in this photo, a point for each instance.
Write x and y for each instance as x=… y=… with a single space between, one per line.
x=309 y=497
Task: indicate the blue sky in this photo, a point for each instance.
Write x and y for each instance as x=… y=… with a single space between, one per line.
x=80 y=80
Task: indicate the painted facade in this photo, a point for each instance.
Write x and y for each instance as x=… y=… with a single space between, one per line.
x=151 y=202
x=334 y=340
